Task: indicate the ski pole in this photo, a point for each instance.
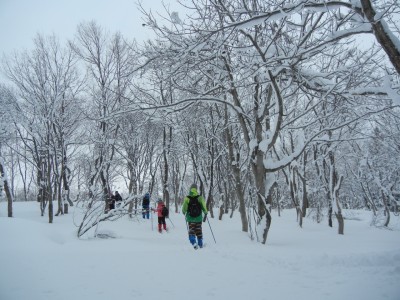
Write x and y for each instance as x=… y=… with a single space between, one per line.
x=171 y=222
x=211 y=230
x=151 y=217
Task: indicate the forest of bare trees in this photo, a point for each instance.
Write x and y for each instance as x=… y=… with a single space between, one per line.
x=264 y=104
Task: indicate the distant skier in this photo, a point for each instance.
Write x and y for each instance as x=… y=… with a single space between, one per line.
x=112 y=201
x=193 y=208
x=146 y=206
x=162 y=213
x=109 y=203
x=118 y=199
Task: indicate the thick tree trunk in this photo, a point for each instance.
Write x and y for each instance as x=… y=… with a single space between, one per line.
x=235 y=169
x=383 y=37
x=226 y=199
x=268 y=221
x=57 y=194
x=340 y=220
x=221 y=212
x=233 y=204
x=242 y=210
x=330 y=210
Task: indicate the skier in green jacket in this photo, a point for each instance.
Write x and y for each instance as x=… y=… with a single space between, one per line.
x=194 y=207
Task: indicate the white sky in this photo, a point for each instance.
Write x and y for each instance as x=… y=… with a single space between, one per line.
x=21 y=20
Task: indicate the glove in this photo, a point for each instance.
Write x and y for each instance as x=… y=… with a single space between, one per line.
x=205 y=217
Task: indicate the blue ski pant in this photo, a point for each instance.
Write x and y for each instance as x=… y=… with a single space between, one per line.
x=146 y=212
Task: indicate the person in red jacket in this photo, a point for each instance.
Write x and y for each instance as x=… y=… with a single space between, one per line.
x=161 y=215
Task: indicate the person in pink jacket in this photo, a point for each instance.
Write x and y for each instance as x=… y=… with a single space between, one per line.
x=162 y=213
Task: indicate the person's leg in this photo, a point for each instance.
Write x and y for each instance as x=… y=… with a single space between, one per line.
x=159 y=224
x=146 y=212
x=163 y=223
x=192 y=233
x=199 y=234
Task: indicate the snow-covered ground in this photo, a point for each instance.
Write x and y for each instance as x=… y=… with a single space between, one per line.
x=40 y=261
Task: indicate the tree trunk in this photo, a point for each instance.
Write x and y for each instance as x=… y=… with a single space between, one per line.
x=49 y=192
x=166 y=195
x=132 y=188
x=6 y=189
x=210 y=200
x=64 y=173
x=235 y=169
x=383 y=37
x=293 y=194
x=226 y=198
x=221 y=212
x=340 y=220
x=65 y=208
x=233 y=204
x=387 y=211
x=268 y=221
x=41 y=197
x=58 y=195
x=330 y=223
x=304 y=182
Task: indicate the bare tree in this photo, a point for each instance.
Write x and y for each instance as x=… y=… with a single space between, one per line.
x=7 y=105
x=109 y=75
x=269 y=63
x=47 y=84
